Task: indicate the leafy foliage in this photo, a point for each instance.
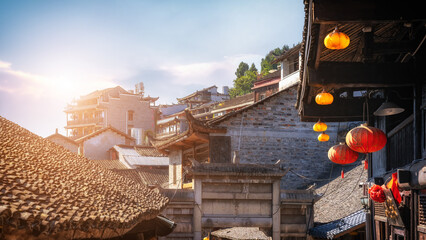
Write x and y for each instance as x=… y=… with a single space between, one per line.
x=253 y=68
x=241 y=70
x=266 y=63
x=243 y=85
x=247 y=76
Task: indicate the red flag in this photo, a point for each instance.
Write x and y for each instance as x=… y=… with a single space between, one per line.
x=393 y=186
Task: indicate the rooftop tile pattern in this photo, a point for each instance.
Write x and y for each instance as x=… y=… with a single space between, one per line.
x=46 y=189
x=330 y=230
x=110 y=164
x=241 y=233
x=150 y=177
x=342 y=195
x=149 y=151
x=230 y=169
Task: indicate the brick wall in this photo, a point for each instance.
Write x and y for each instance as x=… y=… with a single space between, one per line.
x=271 y=130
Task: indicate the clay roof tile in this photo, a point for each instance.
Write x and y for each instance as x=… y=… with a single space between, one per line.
x=56 y=189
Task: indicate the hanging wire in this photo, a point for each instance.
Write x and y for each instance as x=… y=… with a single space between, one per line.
x=241 y=128
x=357 y=184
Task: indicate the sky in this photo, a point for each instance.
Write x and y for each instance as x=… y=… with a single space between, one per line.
x=52 y=52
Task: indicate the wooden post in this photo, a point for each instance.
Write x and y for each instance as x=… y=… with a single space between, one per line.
x=197 y=208
x=276 y=212
x=417 y=124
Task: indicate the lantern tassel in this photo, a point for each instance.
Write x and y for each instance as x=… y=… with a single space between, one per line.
x=365 y=164
x=343 y=174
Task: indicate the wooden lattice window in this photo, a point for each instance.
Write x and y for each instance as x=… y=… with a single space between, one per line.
x=379 y=209
x=220 y=149
x=422 y=209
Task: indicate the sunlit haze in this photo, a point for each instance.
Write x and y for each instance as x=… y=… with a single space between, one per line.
x=54 y=51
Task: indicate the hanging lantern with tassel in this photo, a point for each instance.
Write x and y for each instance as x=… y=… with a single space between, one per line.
x=366 y=139
x=323 y=137
x=324 y=98
x=336 y=40
x=320 y=126
x=342 y=154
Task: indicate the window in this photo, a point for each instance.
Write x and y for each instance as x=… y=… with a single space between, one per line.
x=130 y=115
x=220 y=149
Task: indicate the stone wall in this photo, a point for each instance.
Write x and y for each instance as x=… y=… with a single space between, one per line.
x=271 y=130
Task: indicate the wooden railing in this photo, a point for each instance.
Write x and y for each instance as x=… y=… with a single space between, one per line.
x=85 y=121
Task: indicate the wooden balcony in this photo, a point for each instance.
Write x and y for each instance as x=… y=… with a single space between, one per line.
x=84 y=122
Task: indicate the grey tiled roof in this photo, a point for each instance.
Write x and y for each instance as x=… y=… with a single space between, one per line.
x=149 y=151
x=241 y=233
x=332 y=229
x=147 y=176
x=341 y=196
x=230 y=169
x=110 y=164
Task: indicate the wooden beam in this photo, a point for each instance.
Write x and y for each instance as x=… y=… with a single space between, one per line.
x=341 y=110
x=234 y=221
x=394 y=47
x=361 y=75
x=366 y=11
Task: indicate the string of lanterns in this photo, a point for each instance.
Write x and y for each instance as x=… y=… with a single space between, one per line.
x=362 y=139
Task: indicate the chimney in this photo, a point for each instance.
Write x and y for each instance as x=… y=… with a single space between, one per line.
x=139 y=88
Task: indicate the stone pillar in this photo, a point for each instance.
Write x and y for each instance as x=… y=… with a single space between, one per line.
x=175 y=169
x=197 y=185
x=276 y=212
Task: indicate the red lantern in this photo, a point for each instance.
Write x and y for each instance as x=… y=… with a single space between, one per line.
x=377 y=194
x=342 y=154
x=366 y=139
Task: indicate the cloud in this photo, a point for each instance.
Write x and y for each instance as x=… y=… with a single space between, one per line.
x=219 y=73
x=4 y=64
x=12 y=81
x=64 y=86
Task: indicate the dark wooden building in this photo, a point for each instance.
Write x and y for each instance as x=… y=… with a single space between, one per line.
x=384 y=62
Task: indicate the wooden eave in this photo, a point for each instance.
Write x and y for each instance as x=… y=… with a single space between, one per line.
x=382 y=34
x=197 y=133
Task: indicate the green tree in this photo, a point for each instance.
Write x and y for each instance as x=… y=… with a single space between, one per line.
x=266 y=63
x=243 y=84
x=241 y=70
x=253 y=68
